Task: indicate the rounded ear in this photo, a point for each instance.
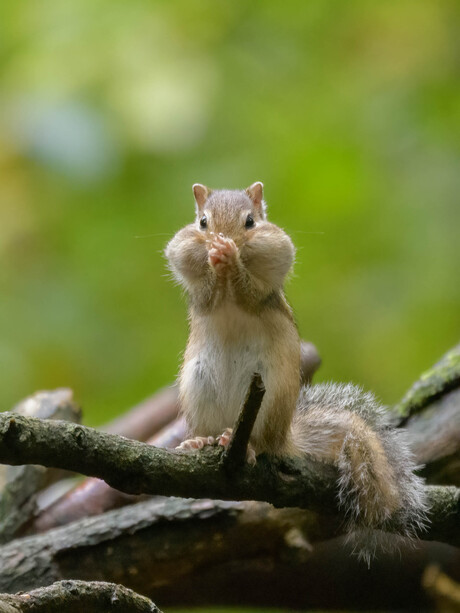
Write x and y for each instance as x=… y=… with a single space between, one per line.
x=201 y=193
x=256 y=193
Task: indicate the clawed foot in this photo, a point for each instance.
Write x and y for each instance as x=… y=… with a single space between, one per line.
x=222 y=251
x=198 y=442
x=224 y=440
x=225 y=437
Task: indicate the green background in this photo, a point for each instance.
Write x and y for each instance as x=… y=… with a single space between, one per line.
x=349 y=112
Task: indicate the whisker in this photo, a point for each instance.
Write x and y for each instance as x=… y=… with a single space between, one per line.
x=304 y=232
x=150 y=235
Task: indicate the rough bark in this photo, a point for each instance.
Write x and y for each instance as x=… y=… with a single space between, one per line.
x=138 y=468
x=434 y=433
x=143 y=545
x=211 y=549
x=76 y=596
x=196 y=552
x=93 y=496
x=20 y=485
x=435 y=439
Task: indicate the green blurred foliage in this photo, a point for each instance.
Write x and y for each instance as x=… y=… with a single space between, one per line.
x=109 y=111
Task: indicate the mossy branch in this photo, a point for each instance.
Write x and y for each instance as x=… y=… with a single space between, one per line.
x=139 y=468
x=136 y=468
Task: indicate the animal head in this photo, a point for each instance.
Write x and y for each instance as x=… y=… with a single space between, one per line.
x=233 y=213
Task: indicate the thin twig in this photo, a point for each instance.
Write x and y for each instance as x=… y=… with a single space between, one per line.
x=235 y=455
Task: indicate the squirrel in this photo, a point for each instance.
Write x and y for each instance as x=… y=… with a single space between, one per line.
x=232 y=263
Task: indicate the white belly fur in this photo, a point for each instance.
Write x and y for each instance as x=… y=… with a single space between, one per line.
x=214 y=382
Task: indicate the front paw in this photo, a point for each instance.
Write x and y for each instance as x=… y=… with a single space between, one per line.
x=222 y=252
x=192 y=444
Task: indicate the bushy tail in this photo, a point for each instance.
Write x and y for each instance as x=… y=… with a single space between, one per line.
x=382 y=499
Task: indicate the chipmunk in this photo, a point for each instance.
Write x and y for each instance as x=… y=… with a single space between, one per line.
x=232 y=263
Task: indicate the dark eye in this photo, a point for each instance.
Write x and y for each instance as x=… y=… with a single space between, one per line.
x=249 y=222
x=204 y=222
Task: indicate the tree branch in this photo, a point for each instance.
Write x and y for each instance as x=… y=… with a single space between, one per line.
x=93 y=496
x=76 y=596
x=137 y=468
x=108 y=547
x=21 y=484
x=235 y=455
x=438 y=380
x=191 y=552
